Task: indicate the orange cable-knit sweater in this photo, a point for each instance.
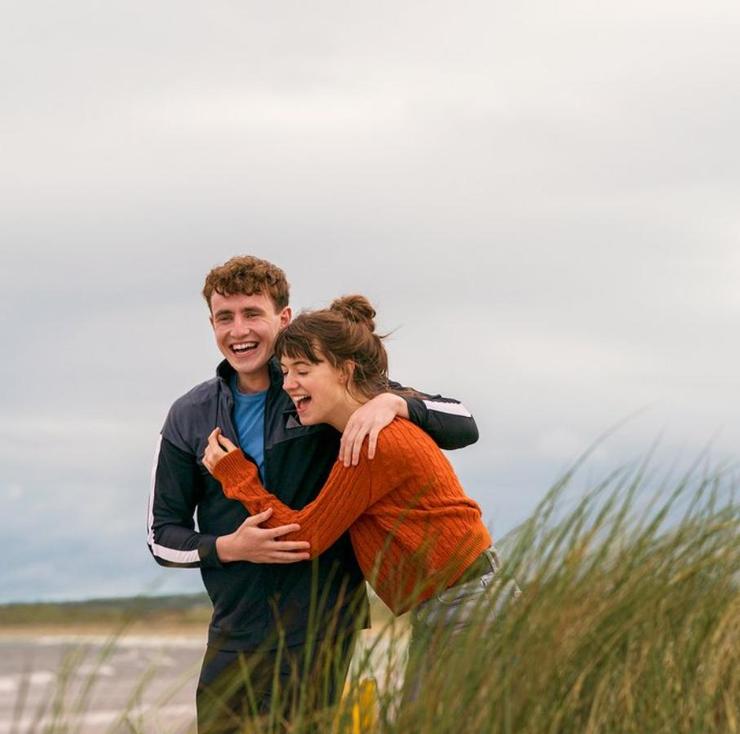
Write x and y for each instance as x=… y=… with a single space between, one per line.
x=412 y=527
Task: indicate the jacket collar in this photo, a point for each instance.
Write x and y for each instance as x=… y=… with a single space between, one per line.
x=225 y=371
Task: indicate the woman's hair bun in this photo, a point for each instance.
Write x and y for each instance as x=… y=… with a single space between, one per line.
x=355 y=308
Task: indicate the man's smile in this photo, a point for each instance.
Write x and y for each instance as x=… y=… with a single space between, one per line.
x=243 y=347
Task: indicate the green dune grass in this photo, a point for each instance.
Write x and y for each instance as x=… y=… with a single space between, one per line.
x=628 y=622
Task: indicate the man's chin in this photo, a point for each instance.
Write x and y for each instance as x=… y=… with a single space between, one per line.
x=249 y=370
x=248 y=366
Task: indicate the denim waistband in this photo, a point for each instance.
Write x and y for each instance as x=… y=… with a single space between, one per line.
x=487 y=562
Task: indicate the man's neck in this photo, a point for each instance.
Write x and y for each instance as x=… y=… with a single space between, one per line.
x=253 y=381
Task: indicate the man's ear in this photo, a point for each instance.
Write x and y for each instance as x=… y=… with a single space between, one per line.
x=285 y=316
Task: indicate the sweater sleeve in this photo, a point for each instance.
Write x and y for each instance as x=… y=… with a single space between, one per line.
x=347 y=493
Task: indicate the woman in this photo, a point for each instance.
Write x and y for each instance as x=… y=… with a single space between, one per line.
x=418 y=538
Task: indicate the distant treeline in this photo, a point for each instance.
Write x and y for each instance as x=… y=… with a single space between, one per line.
x=181 y=608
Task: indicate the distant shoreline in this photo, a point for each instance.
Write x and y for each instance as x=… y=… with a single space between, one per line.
x=185 y=616
x=164 y=616
x=139 y=629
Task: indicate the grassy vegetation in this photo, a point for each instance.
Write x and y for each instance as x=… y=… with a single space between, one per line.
x=629 y=622
x=182 y=609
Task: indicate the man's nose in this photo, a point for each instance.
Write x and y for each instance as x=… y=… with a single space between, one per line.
x=240 y=325
x=289 y=382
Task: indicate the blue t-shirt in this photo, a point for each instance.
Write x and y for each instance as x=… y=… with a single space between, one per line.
x=249 y=420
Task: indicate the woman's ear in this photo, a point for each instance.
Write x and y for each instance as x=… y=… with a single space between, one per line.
x=346 y=371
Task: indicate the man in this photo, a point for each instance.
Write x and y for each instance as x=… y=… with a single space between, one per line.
x=263 y=605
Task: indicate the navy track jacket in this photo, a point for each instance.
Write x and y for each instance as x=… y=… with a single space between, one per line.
x=252 y=601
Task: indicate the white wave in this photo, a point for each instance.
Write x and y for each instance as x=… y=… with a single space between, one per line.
x=11 y=683
x=103 y=718
x=133 y=641
x=103 y=671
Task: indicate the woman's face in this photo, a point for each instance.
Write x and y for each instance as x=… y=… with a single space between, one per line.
x=319 y=391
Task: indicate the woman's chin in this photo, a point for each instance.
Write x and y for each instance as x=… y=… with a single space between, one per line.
x=313 y=414
x=307 y=420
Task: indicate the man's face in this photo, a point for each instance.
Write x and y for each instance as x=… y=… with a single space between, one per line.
x=245 y=328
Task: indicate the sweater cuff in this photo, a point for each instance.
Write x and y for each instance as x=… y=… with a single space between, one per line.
x=234 y=468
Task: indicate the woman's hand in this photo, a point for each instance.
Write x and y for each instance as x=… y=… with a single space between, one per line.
x=218 y=446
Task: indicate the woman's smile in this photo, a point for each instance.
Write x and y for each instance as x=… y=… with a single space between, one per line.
x=301 y=402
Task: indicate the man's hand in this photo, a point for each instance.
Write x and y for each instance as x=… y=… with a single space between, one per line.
x=249 y=542
x=369 y=420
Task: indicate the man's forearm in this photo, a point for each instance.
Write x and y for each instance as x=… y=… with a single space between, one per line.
x=171 y=534
x=446 y=420
x=174 y=545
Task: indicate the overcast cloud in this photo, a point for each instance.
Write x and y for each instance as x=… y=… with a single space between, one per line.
x=540 y=198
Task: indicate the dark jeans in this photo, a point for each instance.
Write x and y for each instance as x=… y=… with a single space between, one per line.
x=235 y=687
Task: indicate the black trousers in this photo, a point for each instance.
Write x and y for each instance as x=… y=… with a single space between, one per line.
x=237 y=687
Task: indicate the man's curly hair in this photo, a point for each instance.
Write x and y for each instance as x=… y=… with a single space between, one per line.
x=248 y=275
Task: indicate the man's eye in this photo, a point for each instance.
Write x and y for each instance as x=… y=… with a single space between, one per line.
x=302 y=374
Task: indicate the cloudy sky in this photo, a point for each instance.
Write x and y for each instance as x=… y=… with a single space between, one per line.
x=540 y=198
